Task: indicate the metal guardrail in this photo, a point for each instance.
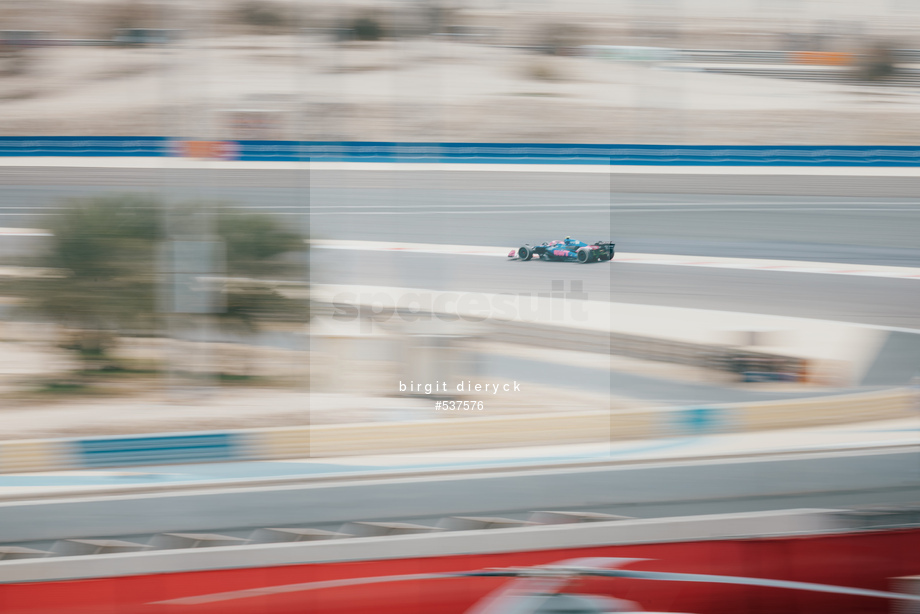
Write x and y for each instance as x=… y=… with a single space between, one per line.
x=171 y=552
x=790 y=522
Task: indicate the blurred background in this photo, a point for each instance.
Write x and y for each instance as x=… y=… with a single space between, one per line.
x=195 y=321
x=209 y=74
x=476 y=71
x=196 y=286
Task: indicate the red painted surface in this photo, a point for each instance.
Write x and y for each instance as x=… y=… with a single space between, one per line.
x=864 y=560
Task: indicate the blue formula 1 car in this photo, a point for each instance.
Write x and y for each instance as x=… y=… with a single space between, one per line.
x=566 y=250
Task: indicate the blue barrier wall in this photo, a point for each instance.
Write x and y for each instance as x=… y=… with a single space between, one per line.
x=97 y=146
x=149 y=450
x=478 y=152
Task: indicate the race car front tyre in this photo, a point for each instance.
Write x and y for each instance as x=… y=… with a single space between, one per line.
x=585 y=255
x=525 y=253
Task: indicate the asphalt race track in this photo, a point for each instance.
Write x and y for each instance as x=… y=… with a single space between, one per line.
x=877 y=301
x=870 y=220
x=774 y=217
x=846 y=219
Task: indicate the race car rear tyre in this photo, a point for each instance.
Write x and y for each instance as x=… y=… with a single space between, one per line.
x=525 y=253
x=605 y=254
x=585 y=255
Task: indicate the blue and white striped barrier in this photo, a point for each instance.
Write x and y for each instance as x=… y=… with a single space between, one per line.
x=480 y=153
x=159 y=449
x=333 y=440
x=129 y=450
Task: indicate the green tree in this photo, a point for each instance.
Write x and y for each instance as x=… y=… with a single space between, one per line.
x=100 y=276
x=255 y=247
x=100 y=272
x=367 y=28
